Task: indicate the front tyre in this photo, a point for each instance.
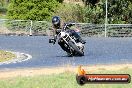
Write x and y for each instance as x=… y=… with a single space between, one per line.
x=75 y=49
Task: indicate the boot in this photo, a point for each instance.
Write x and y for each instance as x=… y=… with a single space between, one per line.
x=78 y=37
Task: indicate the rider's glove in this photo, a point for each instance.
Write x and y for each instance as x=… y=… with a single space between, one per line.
x=55 y=37
x=54 y=41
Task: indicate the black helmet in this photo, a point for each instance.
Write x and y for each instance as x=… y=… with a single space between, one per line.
x=56 y=22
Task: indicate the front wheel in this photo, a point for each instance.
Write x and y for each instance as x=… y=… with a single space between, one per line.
x=75 y=49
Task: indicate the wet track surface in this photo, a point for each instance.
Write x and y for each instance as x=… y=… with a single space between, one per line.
x=97 y=51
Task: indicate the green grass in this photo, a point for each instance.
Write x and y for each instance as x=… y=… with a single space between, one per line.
x=5 y=56
x=63 y=80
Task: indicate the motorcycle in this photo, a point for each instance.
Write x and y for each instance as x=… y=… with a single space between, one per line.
x=68 y=42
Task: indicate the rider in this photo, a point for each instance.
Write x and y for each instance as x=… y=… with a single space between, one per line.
x=56 y=22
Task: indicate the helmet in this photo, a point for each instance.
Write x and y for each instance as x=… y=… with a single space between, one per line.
x=56 y=22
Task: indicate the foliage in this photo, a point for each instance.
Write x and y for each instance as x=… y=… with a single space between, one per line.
x=92 y=2
x=2 y=9
x=94 y=15
x=31 y=9
x=70 y=12
x=4 y=2
x=17 y=25
x=80 y=13
x=119 y=11
x=60 y=1
x=3 y=6
x=40 y=26
x=23 y=26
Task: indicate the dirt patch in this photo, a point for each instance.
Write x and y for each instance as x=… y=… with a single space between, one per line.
x=9 y=73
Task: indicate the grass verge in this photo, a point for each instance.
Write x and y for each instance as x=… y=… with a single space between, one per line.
x=5 y=56
x=62 y=80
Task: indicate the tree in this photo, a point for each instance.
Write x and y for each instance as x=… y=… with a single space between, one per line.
x=60 y=1
x=70 y=12
x=1 y=2
x=31 y=9
x=3 y=5
x=92 y=2
x=119 y=11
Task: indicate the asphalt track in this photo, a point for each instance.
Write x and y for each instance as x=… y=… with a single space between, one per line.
x=97 y=51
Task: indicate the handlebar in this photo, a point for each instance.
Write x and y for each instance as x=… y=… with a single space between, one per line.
x=66 y=25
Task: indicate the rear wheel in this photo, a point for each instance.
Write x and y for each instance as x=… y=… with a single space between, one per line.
x=75 y=49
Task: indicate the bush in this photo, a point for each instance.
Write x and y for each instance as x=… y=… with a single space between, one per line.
x=3 y=9
x=70 y=12
x=31 y=9
x=80 y=13
x=60 y=1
